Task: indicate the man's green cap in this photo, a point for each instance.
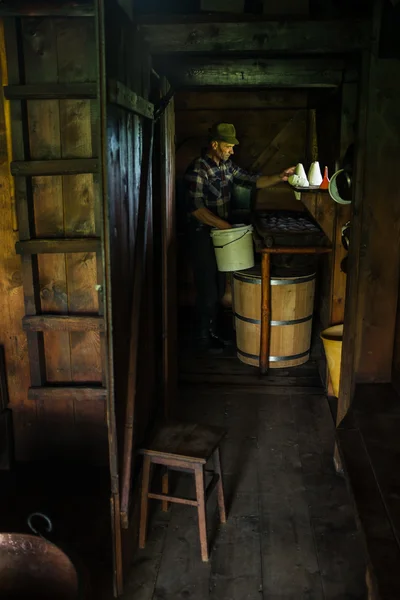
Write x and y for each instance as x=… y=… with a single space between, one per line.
x=223 y=132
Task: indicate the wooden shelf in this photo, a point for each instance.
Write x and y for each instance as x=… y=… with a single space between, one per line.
x=312 y=189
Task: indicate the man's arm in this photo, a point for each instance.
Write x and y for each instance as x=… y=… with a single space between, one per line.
x=206 y=216
x=195 y=182
x=266 y=181
x=261 y=181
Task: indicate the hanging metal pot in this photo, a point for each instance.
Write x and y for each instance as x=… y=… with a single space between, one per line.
x=32 y=567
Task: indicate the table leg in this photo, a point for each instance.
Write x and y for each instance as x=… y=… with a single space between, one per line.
x=265 y=312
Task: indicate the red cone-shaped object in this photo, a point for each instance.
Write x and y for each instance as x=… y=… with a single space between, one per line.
x=325 y=182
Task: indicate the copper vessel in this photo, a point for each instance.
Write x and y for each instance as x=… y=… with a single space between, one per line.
x=31 y=567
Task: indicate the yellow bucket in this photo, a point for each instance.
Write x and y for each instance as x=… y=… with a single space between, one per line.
x=332 y=340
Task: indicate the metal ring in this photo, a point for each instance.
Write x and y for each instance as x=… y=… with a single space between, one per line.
x=247 y=319
x=295 y=280
x=49 y=524
x=292 y=357
x=273 y=323
x=282 y=281
x=274 y=358
x=294 y=322
x=256 y=280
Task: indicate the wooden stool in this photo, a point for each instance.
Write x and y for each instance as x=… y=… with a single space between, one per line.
x=184 y=447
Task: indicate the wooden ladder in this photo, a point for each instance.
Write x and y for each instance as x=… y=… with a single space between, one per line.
x=30 y=246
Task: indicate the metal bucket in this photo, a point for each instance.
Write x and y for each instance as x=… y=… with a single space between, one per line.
x=32 y=567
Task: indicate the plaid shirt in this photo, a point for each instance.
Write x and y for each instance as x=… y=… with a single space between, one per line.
x=210 y=185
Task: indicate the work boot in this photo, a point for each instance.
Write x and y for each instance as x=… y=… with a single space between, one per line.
x=204 y=340
x=217 y=336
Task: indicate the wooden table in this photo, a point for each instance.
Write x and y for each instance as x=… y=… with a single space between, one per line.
x=266 y=293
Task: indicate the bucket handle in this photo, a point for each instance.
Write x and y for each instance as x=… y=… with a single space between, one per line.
x=232 y=241
x=49 y=524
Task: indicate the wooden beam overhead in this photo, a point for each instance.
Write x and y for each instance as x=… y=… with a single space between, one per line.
x=311 y=37
x=196 y=72
x=46 y=8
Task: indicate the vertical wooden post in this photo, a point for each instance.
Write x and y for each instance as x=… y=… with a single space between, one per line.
x=265 y=312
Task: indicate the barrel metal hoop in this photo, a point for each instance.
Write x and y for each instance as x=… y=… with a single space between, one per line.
x=274 y=323
x=257 y=280
x=274 y=358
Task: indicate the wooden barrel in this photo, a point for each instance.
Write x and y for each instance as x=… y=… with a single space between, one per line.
x=292 y=304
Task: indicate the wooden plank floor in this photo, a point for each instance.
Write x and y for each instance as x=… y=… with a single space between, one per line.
x=291 y=529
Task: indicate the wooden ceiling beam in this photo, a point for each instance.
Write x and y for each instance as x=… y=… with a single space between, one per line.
x=194 y=72
x=47 y=8
x=283 y=37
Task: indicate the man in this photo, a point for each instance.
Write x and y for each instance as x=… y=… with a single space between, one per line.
x=208 y=182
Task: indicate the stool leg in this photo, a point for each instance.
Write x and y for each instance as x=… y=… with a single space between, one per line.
x=220 y=486
x=201 y=510
x=165 y=488
x=144 y=501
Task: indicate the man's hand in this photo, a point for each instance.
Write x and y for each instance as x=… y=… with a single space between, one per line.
x=284 y=176
x=225 y=225
x=206 y=216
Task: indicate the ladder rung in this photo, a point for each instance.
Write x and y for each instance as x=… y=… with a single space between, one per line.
x=63 y=323
x=58 y=245
x=62 y=166
x=51 y=91
x=64 y=393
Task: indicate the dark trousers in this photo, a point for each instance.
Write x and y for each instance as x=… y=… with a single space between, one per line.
x=209 y=282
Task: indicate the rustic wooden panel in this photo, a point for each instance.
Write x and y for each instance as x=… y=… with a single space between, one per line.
x=127 y=174
x=373 y=285
x=241 y=99
x=77 y=63
x=26 y=419
x=195 y=72
x=289 y=37
x=378 y=280
x=44 y=141
x=12 y=337
x=24 y=8
x=255 y=130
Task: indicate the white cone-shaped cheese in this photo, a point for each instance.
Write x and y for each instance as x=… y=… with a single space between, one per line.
x=299 y=179
x=314 y=174
x=300 y=171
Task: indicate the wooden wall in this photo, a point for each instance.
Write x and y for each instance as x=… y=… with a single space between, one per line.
x=12 y=337
x=59 y=206
x=54 y=51
x=370 y=349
